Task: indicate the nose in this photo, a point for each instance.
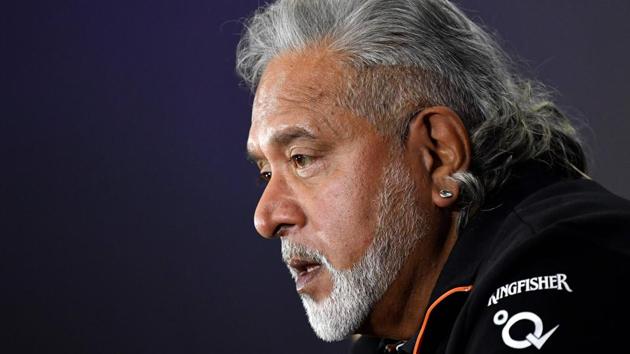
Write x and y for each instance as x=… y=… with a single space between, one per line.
x=278 y=210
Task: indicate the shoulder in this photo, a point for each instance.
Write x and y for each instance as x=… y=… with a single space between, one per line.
x=565 y=217
x=556 y=277
x=574 y=203
x=563 y=227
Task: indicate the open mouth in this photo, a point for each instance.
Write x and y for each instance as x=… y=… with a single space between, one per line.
x=305 y=271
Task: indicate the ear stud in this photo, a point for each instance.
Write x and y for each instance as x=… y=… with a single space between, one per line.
x=444 y=193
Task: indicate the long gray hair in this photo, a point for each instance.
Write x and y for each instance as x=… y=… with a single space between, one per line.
x=410 y=54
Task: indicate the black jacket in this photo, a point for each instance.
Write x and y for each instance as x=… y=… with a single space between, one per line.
x=544 y=268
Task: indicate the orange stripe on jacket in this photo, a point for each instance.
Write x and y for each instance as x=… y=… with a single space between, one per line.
x=460 y=289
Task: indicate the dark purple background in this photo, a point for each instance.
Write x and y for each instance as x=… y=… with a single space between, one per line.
x=125 y=198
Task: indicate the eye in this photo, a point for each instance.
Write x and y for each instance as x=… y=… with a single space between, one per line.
x=264 y=176
x=301 y=161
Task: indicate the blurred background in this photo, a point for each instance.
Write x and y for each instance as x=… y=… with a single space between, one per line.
x=126 y=201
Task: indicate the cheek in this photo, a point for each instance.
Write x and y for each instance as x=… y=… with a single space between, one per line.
x=345 y=219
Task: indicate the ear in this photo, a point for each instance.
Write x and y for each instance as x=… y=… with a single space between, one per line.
x=442 y=141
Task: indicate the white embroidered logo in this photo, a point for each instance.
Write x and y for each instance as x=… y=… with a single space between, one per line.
x=547 y=282
x=537 y=339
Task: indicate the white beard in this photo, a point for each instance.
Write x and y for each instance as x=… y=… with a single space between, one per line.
x=400 y=224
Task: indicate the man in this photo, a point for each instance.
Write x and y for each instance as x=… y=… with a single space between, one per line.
x=426 y=196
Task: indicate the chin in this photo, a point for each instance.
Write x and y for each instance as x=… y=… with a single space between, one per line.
x=333 y=320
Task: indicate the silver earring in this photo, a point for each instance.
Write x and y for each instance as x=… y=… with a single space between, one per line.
x=444 y=193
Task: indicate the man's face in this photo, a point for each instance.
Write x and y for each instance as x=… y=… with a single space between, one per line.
x=325 y=193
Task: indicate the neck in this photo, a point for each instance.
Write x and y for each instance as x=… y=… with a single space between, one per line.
x=399 y=313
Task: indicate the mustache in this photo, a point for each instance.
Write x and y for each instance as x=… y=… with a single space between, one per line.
x=292 y=250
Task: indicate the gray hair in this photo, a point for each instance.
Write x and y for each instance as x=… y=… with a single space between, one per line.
x=410 y=54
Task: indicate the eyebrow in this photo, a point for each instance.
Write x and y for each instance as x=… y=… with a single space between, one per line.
x=283 y=138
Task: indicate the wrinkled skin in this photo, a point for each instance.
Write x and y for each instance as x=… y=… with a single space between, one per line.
x=324 y=166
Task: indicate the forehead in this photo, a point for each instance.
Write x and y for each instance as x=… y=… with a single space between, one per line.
x=303 y=78
x=299 y=89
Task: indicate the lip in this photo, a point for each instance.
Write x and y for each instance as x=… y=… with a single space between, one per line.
x=306 y=272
